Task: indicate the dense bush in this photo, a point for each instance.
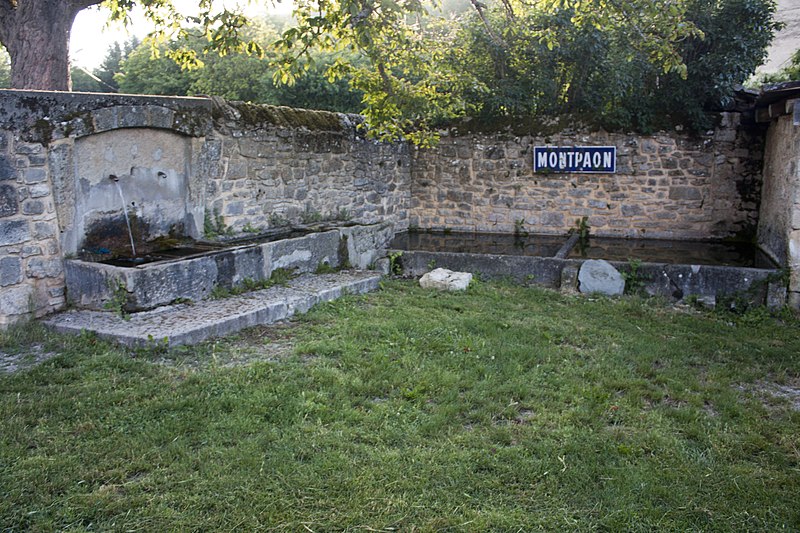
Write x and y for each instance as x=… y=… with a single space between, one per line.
x=600 y=76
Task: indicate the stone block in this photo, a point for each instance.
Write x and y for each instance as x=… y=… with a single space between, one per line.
x=14 y=232
x=26 y=149
x=33 y=207
x=9 y=204
x=35 y=175
x=160 y=117
x=10 y=271
x=7 y=170
x=39 y=190
x=445 y=280
x=43 y=230
x=15 y=302
x=685 y=193
x=631 y=210
x=105 y=119
x=132 y=117
x=28 y=251
x=569 y=278
x=44 y=268
x=600 y=276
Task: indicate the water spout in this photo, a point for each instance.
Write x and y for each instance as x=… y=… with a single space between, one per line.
x=115 y=179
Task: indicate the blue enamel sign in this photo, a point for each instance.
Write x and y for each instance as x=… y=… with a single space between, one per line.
x=561 y=159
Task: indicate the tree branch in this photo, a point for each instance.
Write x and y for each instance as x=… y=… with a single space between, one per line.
x=496 y=39
x=83 y=4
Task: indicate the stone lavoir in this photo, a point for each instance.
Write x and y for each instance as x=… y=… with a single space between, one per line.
x=190 y=167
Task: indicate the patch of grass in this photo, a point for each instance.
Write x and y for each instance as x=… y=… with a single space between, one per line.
x=279 y=276
x=499 y=408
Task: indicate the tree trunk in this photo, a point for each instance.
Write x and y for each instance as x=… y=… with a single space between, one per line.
x=36 y=35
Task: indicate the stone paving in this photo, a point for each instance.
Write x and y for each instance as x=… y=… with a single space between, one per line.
x=190 y=323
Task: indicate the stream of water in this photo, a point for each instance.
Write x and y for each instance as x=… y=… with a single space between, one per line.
x=127 y=219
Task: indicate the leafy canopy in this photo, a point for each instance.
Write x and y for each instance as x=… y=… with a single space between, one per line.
x=622 y=64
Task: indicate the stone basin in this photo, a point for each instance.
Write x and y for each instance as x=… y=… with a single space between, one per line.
x=142 y=286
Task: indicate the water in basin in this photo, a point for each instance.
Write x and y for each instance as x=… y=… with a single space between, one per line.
x=673 y=252
x=480 y=243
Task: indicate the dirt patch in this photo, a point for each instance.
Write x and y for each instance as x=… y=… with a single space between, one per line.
x=774 y=395
x=11 y=363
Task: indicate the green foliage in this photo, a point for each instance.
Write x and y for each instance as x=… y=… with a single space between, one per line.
x=325 y=268
x=634 y=280
x=5 y=68
x=104 y=78
x=410 y=68
x=311 y=216
x=214 y=224
x=236 y=76
x=396 y=263
x=279 y=276
x=790 y=72
x=540 y=63
x=277 y=220
x=119 y=298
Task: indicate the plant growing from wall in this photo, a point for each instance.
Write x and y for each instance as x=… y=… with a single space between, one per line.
x=311 y=216
x=396 y=263
x=119 y=298
x=214 y=224
x=582 y=230
x=277 y=220
x=634 y=279
x=519 y=229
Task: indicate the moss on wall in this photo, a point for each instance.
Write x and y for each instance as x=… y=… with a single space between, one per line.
x=252 y=114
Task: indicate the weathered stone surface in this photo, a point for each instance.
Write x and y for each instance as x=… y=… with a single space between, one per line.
x=33 y=207
x=44 y=268
x=15 y=301
x=599 y=276
x=681 y=194
x=14 y=232
x=10 y=271
x=7 y=170
x=35 y=175
x=9 y=205
x=189 y=324
x=445 y=280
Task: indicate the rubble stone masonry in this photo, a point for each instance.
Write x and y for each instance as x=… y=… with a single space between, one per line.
x=668 y=185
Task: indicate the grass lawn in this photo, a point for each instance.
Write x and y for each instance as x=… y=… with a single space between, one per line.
x=503 y=408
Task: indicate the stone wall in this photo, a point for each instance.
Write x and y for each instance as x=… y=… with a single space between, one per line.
x=279 y=165
x=190 y=165
x=70 y=161
x=31 y=266
x=668 y=185
x=779 y=224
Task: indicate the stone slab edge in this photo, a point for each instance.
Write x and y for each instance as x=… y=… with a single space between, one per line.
x=194 y=323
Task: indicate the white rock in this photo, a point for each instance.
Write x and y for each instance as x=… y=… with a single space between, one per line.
x=599 y=276
x=445 y=280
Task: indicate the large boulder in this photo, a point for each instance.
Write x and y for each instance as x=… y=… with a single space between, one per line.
x=445 y=280
x=600 y=277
